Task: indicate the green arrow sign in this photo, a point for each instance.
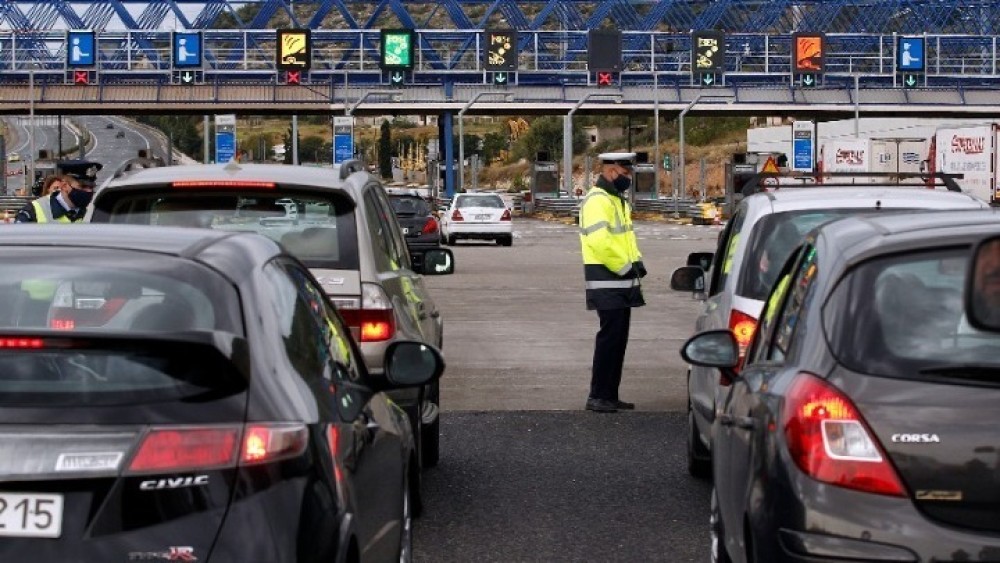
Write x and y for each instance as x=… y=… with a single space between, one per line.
x=910 y=80
x=808 y=80
x=708 y=78
x=667 y=165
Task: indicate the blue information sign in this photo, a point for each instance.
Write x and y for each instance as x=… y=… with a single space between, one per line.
x=803 y=154
x=343 y=148
x=80 y=48
x=910 y=54
x=225 y=146
x=187 y=50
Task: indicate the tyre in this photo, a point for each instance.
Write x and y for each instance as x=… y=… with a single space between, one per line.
x=430 y=434
x=717 y=532
x=699 y=458
x=506 y=240
x=451 y=240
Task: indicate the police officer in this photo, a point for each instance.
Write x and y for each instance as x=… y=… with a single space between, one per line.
x=67 y=204
x=612 y=267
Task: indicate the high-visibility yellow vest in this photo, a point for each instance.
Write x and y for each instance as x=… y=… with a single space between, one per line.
x=610 y=250
x=43 y=211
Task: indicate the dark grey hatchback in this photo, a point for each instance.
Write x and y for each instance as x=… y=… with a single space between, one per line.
x=863 y=424
x=191 y=395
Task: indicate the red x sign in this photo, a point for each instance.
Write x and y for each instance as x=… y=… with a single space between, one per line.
x=605 y=78
x=293 y=77
x=81 y=77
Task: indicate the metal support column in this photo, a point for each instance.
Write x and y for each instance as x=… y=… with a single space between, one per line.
x=449 y=154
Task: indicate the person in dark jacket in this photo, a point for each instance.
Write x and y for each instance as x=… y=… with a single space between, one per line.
x=68 y=203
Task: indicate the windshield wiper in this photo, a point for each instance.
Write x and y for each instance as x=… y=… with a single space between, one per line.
x=975 y=372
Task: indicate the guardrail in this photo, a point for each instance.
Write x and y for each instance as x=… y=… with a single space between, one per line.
x=570 y=206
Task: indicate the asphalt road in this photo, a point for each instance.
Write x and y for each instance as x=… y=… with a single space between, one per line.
x=525 y=473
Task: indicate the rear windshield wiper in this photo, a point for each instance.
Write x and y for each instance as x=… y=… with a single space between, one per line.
x=975 y=372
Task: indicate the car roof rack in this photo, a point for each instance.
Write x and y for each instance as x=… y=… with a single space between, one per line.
x=755 y=183
x=349 y=167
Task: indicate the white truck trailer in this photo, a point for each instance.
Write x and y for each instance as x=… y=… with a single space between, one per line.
x=970 y=151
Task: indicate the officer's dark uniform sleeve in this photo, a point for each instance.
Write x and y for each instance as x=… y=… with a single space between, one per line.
x=26 y=214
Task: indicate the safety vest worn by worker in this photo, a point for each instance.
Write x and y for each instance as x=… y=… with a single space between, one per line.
x=43 y=211
x=609 y=251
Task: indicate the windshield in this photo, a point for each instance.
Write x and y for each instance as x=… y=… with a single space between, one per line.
x=408 y=205
x=319 y=230
x=895 y=316
x=772 y=240
x=496 y=202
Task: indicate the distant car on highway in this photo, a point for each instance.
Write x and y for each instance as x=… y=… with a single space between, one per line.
x=861 y=424
x=109 y=125
x=13 y=157
x=343 y=229
x=170 y=391
x=480 y=216
x=752 y=247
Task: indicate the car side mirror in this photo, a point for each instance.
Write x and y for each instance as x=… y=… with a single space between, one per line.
x=701 y=259
x=688 y=278
x=438 y=262
x=412 y=364
x=982 y=286
x=712 y=349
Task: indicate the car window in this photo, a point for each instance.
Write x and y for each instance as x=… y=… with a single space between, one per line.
x=799 y=292
x=760 y=346
x=726 y=250
x=398 y=254
x=301 y=331
x=771 y=241
x=409 y=205
x=319 y=230
x=485 y=200
x=895 y=315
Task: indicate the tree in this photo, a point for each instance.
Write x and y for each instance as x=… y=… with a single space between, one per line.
x=385 y=150
x=311 y=149
x=546 y=134
x=289 y=146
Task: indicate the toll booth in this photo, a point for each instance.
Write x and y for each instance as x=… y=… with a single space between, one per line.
x=544 y=178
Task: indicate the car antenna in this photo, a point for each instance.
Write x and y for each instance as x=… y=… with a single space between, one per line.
x=878 y=204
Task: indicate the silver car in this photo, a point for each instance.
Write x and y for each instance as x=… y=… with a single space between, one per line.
x=338 y=222
x=755 y=243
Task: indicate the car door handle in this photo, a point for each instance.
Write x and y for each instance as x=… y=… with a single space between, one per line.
x=744 y=422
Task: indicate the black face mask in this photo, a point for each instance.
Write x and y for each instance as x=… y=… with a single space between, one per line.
x=622 y=183
x=80 y=198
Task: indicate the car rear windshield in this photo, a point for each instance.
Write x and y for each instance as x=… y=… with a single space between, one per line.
x=898 y=315
x=88 y=298
x=409 y=205
x=496 y=202
x=318 y=229
x=771 y=241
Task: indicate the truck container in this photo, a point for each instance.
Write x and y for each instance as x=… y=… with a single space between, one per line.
x=970 y=151
x=898 y=155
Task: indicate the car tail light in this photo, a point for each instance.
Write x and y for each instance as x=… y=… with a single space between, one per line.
x=506 y=215
x=743 y=327
x=375 y=321
x=181 y=449
x=222 y=184
x=264 y=443
x=188 y=448
x=430 y=227
x=830 y=441
x=456 y=215
x=8 y=342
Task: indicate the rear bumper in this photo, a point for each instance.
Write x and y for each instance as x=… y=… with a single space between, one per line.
x=480 y=230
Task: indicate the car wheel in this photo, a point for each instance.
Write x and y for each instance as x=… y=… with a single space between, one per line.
x=430 y=434
x=699 y=458
x=506 y=241
x=451 y=240
x=406 y=531
x=717 y=532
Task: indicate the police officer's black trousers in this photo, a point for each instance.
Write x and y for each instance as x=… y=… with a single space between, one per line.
x=609 y=353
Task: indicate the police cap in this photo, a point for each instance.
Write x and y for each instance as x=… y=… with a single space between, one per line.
x=620 y=158
x=83 y=170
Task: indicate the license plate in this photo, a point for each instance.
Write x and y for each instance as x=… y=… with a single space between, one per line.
x=30 y=515
x=482 y=217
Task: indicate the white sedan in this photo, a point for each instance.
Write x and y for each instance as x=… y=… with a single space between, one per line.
x=477 y=216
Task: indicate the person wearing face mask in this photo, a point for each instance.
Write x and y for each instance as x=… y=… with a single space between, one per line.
x=612 y=268
x=68 y=203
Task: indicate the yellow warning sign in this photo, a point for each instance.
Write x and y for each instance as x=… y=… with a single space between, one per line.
x=294 y=49
x=770 y=167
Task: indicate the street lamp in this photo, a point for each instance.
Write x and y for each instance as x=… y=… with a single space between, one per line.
x=680 y=121
x=393 y=96
x=461 y=131
x=568 y=137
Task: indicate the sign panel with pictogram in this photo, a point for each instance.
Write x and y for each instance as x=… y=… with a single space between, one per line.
x=186 y=49
x=606 y=78
x=81 y=48
x=501 y=50
x=397 y=48
x=808 y=58
x=293 y=77
x=294 y=49
x=81 y=77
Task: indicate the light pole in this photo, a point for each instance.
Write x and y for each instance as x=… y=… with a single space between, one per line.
x=568 y=137
x=30 y=180
x=680 y=122
x=461 y=131
x=349 y=111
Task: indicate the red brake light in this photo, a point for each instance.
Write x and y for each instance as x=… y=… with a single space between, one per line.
x=181 y=449
x=456 y=215
x=830 y=441
x=22 y=343
x=506 y=215
x=743 y=327
x=371 y=325
x=222 y=184
x=431 y=226
x=62 y=324
x=264 y=443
